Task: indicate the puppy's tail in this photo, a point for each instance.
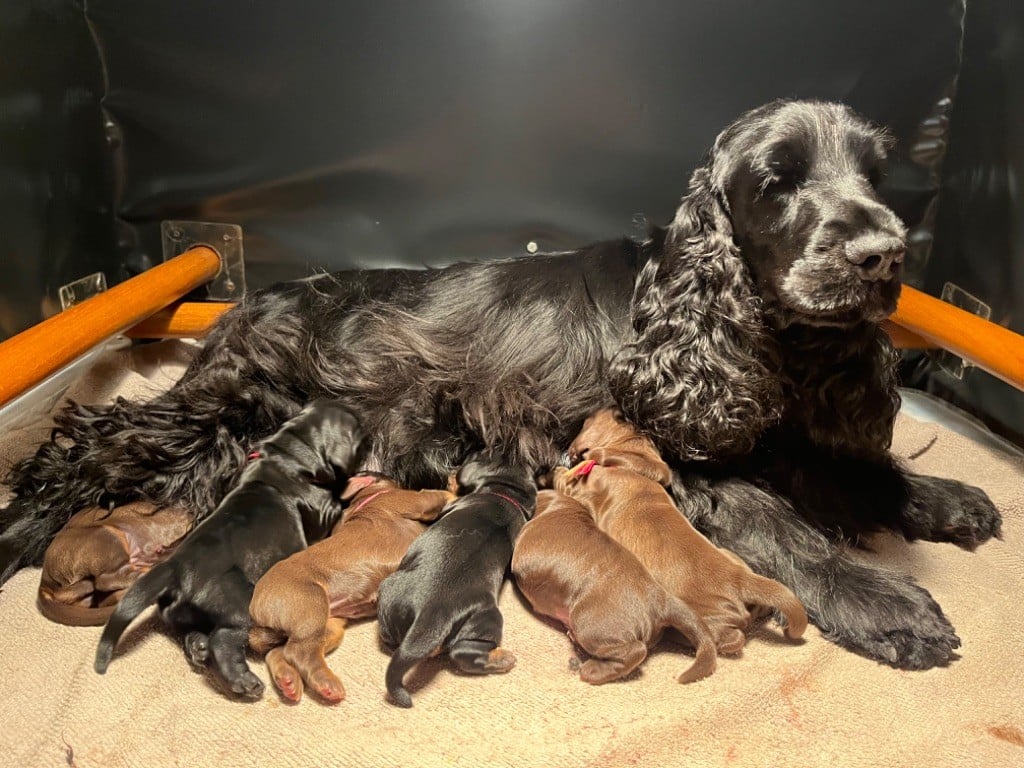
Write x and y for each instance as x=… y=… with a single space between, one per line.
x=681 y=617
x=415 y=647
x=139 y=596
x=762 y=591
x=72 y=615
x=262 y=639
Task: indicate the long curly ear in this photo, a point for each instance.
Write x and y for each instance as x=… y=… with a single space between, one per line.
x=697 y=376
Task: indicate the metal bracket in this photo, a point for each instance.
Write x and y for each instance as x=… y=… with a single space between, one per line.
x=952 y=364
x=84 y=288
x=226 y=239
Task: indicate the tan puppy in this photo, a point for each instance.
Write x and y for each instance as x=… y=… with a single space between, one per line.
x=622 y=483
x=304 y=600
x=99 y=553
x=569 y=570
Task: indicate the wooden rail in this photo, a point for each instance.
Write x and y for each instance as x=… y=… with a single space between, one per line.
x=36 y=353
x=185 y=320
x=991 y=347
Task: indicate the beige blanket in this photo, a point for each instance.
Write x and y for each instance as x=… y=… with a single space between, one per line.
x=781 y=704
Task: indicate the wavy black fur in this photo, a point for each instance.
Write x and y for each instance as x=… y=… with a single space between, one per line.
x=743 y=336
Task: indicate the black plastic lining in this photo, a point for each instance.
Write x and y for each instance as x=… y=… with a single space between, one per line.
x=396 y=133
x=55 y=175
x=979 y=235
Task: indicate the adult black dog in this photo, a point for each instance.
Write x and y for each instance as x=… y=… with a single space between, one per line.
x=444 y=595
x=743 y=337
x=288 y=495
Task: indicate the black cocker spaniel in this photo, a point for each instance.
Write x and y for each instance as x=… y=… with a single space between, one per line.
x=743 y=337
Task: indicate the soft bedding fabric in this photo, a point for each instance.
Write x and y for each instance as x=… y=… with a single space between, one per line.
x=806 y=704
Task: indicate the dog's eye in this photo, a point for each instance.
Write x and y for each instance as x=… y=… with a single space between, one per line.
x=876 y=175
x=780 y=182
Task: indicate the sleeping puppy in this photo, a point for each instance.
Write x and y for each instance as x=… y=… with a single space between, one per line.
x=622 y=482
x=572 y=571
x=287 y=495
x=300 y=605
x=444 y=595
x=99 y=553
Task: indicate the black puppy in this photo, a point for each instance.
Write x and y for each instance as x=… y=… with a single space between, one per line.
x=444 y=595
x=287 y=495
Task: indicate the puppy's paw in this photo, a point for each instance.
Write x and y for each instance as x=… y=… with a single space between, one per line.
x=888 y=618
x=730 y=641
x=247 y=686
x=197 y=649
x=951 y=511
x=499 y=661
x=331 y=691
x=290 y=685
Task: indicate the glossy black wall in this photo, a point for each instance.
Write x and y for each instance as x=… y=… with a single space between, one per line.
x=56 y=193
x=979 y=236
x=346 y=134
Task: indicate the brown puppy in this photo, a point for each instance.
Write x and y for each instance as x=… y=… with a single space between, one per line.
x=304 y=600
x=572 y=571
x=622 y=483
x=99 y=553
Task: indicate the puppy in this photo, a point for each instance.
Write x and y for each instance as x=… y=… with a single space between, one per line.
x=303 y=601
x=622 y=482
x=444 y=595
x=99 y=553
x=572 y=571
x=288 y=494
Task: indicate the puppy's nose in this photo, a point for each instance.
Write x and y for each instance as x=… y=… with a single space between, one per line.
x=875 y=257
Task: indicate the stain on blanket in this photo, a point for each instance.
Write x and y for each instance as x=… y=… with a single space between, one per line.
x=1008 y=733
x=791 y=684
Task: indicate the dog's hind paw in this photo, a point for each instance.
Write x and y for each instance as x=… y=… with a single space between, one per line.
x=197 y=649
x=905 y=649
x=892 y=620
x=247 y=685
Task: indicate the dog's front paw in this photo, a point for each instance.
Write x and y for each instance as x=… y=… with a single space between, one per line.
x=887 y=617
x=951 y=511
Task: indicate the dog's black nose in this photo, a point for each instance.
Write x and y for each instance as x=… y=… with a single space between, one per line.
x=875 y=257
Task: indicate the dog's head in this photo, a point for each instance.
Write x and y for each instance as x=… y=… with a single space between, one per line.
x=492 y=467
x=781 y=227
x=602 y=429
x=795 y=184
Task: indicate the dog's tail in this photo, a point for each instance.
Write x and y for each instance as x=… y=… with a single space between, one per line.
x=683 y=619
x=72 y=615
x=262 y=639
x=416 y=646
x=139 y=596
x=759 y=590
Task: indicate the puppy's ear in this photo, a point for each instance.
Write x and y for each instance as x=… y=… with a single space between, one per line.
x=696 y=375
x=356 y=483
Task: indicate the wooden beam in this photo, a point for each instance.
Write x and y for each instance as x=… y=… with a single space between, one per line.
x=991 y=347
x=40 y=351
x=184 y=320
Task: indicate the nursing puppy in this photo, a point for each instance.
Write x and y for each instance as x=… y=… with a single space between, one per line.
x=99 y=553
x=303 y=601
x=622 y=483
x=287 y=495
x=444 y=595
x=572 y=571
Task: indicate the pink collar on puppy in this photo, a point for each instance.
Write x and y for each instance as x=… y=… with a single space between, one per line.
x=368 y=499
x=511 y=501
